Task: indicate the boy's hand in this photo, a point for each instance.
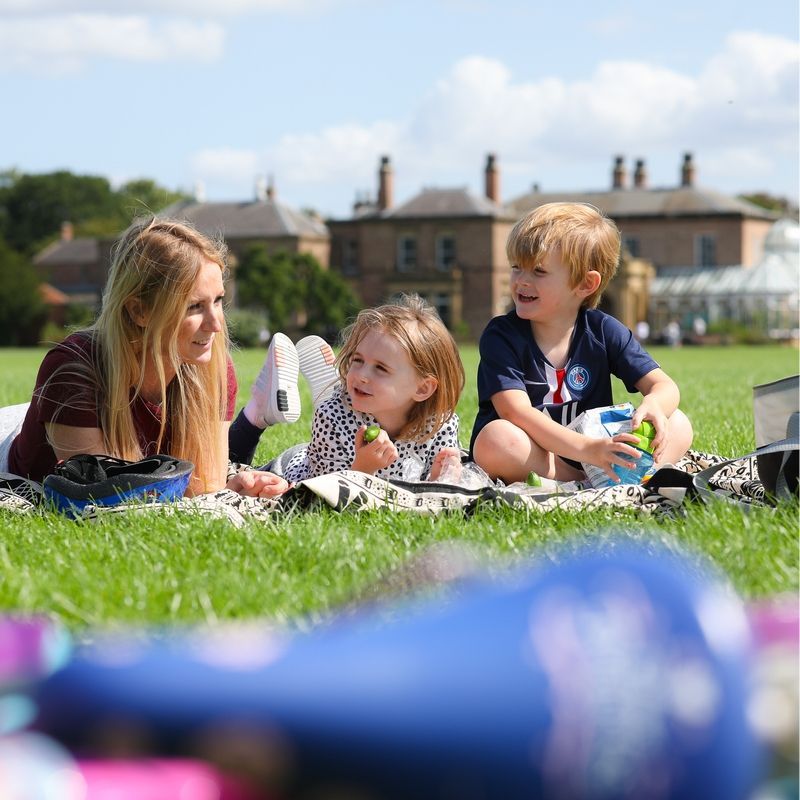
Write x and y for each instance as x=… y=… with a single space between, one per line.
x=605 y=453
x=650 y=410
x=374 y=455
x=257 y=483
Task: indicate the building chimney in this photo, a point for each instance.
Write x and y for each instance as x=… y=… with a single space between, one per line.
x=619 y=176
x=261 y=189
x=67 y=231
x=385 y=184
x=640 y=175
x=270 y=188
x=492 y=174
x=687 y=170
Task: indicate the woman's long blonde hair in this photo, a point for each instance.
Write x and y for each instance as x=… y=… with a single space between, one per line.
x=154 y=267
x=431 y=350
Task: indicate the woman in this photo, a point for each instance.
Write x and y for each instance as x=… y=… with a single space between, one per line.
x=152 y=375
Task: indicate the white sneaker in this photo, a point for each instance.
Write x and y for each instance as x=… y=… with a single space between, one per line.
x=317 y=365
x=274 y=396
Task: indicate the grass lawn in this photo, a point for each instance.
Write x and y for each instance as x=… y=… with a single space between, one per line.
x=151 y=569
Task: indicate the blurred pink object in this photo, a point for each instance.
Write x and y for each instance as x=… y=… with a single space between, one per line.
x=775 y=621
x=161 y=779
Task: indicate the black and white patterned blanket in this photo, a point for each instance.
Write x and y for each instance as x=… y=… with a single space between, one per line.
x=356 y=491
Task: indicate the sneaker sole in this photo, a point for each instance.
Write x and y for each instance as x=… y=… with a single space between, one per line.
x=317 y=365
x=284 y=379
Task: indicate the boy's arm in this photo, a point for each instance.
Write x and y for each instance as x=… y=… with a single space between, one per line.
x=515 y=406
x=661 y=397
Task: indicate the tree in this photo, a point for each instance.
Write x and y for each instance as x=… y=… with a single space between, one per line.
x=286 y=285
x=268 y=282
x=782 y=205
x=22 y=312
x=36 y=205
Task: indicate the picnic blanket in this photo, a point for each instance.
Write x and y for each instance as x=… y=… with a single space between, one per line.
x=350 y=491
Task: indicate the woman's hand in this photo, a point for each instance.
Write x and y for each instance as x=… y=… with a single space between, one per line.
x=374 y=455
x=257 y=483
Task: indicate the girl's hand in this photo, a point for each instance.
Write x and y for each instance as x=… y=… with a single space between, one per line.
x=650 y=410
x=374 y=455
x=257 y=483
x=447 y=459
x=605 y=453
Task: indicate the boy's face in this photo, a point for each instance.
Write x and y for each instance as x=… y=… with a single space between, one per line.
x=542 y=293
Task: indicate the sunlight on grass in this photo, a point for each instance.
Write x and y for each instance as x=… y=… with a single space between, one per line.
x=297 y=568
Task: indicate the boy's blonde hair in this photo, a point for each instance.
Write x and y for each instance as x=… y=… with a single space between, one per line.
x=432 y=352
x=155 y=264
x=586 y=238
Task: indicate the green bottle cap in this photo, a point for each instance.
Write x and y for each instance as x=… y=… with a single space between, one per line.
x=645 y=429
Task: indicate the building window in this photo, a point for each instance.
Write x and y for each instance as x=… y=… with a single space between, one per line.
x=442 y=304
x=406 y=253
x=445 y=252
x=705 y=250
x=350 y=257
x=632 y=245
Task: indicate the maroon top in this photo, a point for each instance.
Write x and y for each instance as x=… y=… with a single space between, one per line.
x=31 y=454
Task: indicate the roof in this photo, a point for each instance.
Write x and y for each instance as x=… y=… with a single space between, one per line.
x=676 y=202
x=72 y=251
x=252 y=219
x=444 y=203
x=52 y=296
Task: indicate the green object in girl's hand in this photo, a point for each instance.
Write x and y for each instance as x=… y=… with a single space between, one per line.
x=371 y=433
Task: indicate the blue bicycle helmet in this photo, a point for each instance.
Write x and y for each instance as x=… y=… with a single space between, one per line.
x=104 y=481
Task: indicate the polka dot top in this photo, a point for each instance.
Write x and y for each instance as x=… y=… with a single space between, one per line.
x=332 y=447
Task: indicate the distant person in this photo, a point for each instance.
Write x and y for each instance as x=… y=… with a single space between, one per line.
x=553 y=355
x=699 y=328
x=672 y=333
x=642 y=330
x=152 y=375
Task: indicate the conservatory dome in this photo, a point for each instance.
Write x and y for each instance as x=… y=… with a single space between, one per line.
x=783 y=237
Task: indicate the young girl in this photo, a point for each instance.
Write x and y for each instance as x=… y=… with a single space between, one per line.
x=399 y=369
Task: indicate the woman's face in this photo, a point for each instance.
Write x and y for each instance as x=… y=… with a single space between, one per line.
x=204 y=317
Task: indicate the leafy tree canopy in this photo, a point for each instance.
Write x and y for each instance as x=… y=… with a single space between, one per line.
x=294 y=291
x=33 y=207
x=22 y=311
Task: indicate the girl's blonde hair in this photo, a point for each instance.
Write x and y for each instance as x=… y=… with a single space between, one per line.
x=432 y=352
x=588 y=240
x=154 y=267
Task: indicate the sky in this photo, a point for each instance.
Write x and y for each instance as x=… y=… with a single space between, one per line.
x=311 y=93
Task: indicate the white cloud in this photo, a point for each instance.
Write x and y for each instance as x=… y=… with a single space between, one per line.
x=59 y=44
x=215 y=8
x=739 y=113
x=226 y=165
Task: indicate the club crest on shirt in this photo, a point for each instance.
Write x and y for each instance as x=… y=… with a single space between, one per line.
x=578 y=378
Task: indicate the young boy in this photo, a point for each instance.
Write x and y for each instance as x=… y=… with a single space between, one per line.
x=553 y=355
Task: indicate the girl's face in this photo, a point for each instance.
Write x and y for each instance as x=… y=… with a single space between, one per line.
x=382 y=381
x=204 y=317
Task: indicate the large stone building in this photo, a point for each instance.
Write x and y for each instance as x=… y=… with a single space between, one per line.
x=449 y=245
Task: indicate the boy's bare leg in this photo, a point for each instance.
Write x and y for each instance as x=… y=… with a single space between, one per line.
x=505 y=451
x=679 y=438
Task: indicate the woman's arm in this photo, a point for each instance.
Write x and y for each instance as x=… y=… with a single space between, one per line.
x=69 y=440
